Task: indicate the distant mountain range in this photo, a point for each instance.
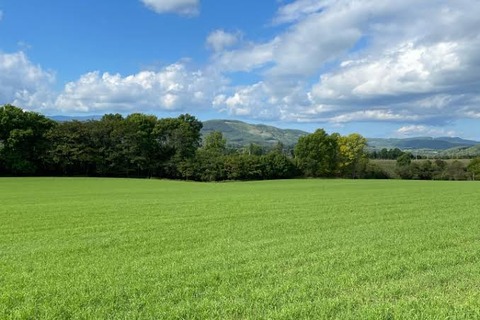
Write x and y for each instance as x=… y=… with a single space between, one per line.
x=72 y=118
x=239 y=133
x=440 y=143
x=441 y=146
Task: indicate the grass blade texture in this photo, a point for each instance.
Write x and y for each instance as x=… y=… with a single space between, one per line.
x=296 y=249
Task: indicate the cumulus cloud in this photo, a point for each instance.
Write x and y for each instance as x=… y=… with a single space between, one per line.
x=172 y=88
x=247 y=101
x=183 y=7
x=219 y=40
x=408 y=69
x=265 y=101
x=430 y=81
x=373 y=61
x=23 y=83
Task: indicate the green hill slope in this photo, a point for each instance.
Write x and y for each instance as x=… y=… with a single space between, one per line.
x=462 y=152
x=239 y=133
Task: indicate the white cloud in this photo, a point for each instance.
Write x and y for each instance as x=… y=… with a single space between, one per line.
x=422 y=130
x=264 y=101
x=183 y=7
x=24 y=84
x=300 y=51
x=404 y=70
x=245 y=101
x=172 y=88
x=249 y=58
x=219 y=40
x=297 y=10
x=375 y=115
x=307 y=46
x=375 y=61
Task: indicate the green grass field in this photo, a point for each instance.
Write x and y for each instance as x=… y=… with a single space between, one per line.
x=297 y=249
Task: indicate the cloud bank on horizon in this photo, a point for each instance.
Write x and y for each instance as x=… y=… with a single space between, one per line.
x=414 y=66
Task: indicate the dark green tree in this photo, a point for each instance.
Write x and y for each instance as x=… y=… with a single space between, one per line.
x=23 y=141
x=71 y=151
x=215 y=143
x=404 y=160
x=139 y=144
x=316 y=154
x=439 y=166
x=474 y=168
x=243 y=167
x=208 y=163
x=108 y=137
x=456 y=171
x=254 y=149
x=178 y=140
x=277 y=165
x=403 y=166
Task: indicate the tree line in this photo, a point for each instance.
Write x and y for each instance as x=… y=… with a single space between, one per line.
x=438 y=169
x=140 y=145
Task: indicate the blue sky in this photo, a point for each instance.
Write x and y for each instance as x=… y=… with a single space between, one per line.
x=379 y=68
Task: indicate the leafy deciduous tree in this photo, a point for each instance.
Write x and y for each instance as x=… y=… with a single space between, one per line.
x=317 y=154
x=474 y=168
x=23 y=140
x=352 y=154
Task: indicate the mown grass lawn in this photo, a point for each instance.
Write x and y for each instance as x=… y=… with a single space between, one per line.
x=293 y=249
